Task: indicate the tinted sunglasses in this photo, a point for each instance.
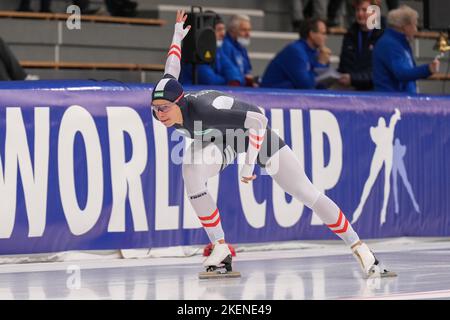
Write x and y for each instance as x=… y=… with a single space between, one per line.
x=166 y=107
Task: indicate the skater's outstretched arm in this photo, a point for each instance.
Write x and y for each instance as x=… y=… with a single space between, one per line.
x=173 y=62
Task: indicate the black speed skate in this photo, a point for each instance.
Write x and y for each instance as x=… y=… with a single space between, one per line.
x=219 y=264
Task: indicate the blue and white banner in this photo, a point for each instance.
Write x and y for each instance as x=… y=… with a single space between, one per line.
x=83 y=165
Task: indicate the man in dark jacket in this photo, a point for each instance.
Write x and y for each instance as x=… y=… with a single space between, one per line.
x=357 y=45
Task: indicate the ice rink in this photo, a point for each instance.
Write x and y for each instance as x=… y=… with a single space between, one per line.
x=295 y=270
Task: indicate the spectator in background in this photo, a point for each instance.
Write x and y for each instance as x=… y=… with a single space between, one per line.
x=356 y=55
x=391 y=5
x=10 y=69
x=25 y=6
x=221 y=71
x=296 y=65
x=326 y=10
x=84 y=7
x=334 y=9
x=235 y=44
x=298 y=8
x=121 y=8
x=394 y=68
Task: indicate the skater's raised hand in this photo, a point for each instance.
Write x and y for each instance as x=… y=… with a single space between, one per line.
x=181 y=16
x=180 y=31
x=173 y=65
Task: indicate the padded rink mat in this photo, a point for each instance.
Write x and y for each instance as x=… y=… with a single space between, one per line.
x=296 y=270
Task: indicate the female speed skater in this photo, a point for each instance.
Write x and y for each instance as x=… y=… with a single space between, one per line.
x=207 y=157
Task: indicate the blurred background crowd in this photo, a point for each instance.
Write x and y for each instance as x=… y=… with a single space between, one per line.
x=370 y=51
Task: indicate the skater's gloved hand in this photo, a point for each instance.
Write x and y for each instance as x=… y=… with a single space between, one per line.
x=180 y=31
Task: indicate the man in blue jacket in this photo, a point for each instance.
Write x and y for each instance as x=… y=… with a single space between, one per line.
x=221 y=71
x=394 y=68
x=235 y=46
x=295 y=67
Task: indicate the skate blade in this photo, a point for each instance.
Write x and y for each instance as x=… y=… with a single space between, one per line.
x=218 y=275
x=388 y=274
